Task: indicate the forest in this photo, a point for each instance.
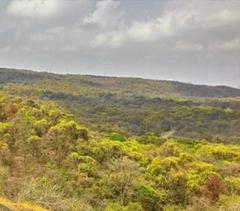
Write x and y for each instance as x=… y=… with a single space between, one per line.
x=83 y=143
x=134 y=106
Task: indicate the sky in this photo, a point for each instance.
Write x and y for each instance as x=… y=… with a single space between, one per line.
x=191 y=41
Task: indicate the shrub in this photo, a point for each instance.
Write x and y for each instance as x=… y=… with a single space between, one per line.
x=214 y=187
x=151 y=139
x=232 y=185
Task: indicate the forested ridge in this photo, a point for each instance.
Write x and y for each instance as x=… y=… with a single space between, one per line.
x=127 y=86
x=77 y=143
x=135 y=106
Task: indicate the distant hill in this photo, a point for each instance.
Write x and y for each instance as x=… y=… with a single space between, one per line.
x=128 y=86
x=22 y=76
x=135 y=106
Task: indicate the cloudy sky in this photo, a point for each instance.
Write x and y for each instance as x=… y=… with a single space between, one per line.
x=191 y=41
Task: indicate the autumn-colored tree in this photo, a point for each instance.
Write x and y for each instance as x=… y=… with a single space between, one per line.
x=214 y=187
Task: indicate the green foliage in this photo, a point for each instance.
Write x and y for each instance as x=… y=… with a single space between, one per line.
x=149 y=198
x=219 y=152
x=107 y=149
x=116 y=137
x=151 y=139
x=131 y=106
x=177 y=188
x=197 y=175
x=232 y=185
x=231 y=202
x=163 y=165
x=49 y=158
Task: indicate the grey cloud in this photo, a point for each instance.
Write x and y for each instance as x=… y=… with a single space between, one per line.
x=197 y=41
x=107 y=14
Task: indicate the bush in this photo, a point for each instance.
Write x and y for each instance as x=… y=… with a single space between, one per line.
x=149 y=198
x=232 y=185
x=214 y=187
x=151 y=139
x=116 y=137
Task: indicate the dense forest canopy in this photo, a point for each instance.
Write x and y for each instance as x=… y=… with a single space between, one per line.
x=135 y=106
x=95 y=143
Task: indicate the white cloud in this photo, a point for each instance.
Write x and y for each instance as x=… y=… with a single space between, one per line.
x=229 y=45
x=187 y=46
x=112 y=39
x=184 y=21
x=216 y=19
x=223 y=16
x=151 y=30
x=33 y=8
x=138 y=32
x=106 y=14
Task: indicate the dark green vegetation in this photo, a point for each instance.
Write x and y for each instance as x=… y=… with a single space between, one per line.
x=125 y=86
x=111 y=144
x=135 y=106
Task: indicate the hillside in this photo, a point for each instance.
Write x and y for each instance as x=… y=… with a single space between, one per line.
x=129 y=86
x=135 y=106
x=22 y=76
x=119 y=105
x=50 y=160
